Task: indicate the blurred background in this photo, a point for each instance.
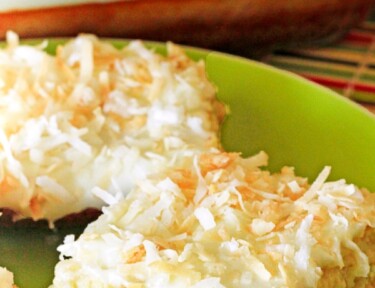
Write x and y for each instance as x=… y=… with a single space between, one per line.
x=330 y=42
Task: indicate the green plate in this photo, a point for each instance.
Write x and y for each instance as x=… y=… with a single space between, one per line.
x=295 y=121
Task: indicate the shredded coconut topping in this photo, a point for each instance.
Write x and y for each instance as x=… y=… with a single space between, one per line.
x=250 y=228
x=93 y=118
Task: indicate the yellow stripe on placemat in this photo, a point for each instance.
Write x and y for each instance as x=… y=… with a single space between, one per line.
x=363 y=66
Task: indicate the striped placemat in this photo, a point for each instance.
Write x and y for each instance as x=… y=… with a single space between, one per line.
x=348 y=67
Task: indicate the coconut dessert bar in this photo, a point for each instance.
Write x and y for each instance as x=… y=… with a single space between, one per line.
x=221 y=221
x=94 y=118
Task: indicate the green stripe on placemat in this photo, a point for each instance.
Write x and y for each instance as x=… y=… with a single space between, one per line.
x=318 y=67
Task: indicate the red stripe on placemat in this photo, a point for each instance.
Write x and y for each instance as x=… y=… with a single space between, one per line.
x=365 y=38
x=340 y=84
